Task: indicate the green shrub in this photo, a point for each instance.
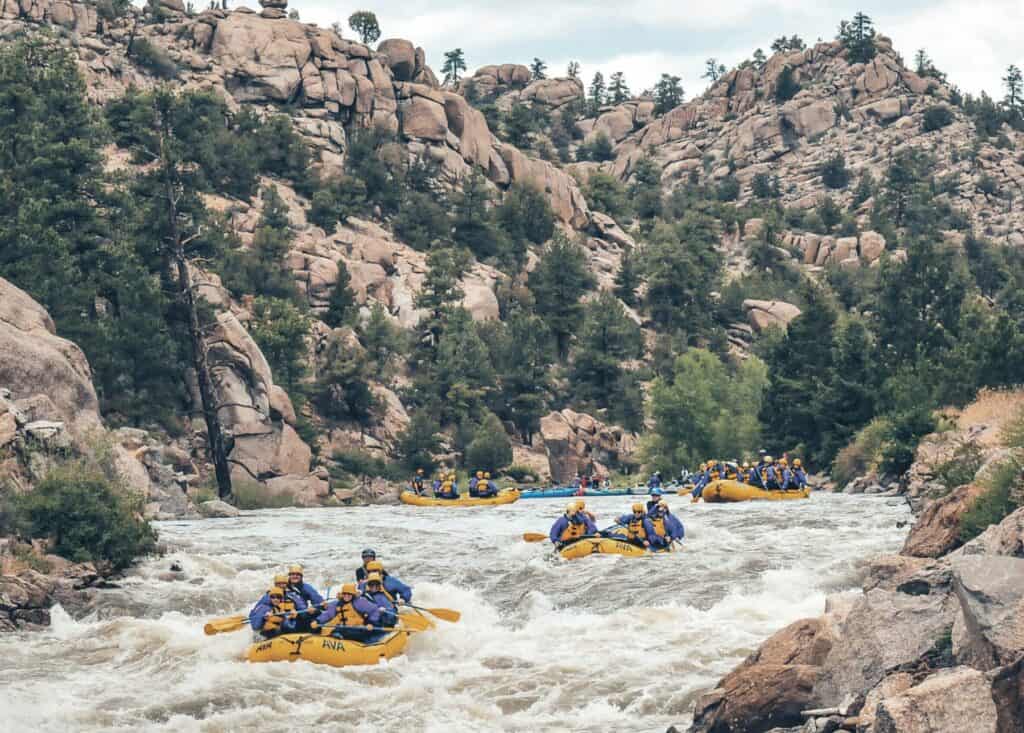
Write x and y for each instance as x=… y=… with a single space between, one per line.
x=937 y=117
x=786 y=87
x=961 y=468
x=863 y=454
x=519 y=473
x=490 y=449
x=87 y=516
x=728 y=189
x=153 y=58
x=360 y=463
x=834 y=172
x=1002 y=497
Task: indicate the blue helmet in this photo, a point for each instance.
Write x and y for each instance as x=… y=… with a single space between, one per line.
x=369 y=554
x=656 y=491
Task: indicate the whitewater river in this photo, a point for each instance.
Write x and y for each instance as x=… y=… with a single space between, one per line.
x=602 y=643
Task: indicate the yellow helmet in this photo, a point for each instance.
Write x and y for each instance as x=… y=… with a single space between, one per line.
x=479 y=474
x=293 y=569
x=638 y=507
x=451 y=476
x=580 y=505
x=571 y=508
x=797 y=463
x=275 y=592
x=783 y=461
x=487 y=474
x=373 y=578
x=348 y=588
x=769 y=459
x=663 y=504
x=746 y=464
x=704 y=467
x=280 y=580
x=374 y=566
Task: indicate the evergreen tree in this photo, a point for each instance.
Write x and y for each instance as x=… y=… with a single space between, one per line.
x=454 y=65
x=627 y=279
x=342 y=391
x=682 y=266
x=858 y=37
x=341 y=307
x=618 y=91
x=573 y=70
x=365 y=24
x=420 y=442
x=596 y=95
x=645 y=189
x=462 y=377
x=440 y=293
x=519 y=123
x=668 y=94
x=786 y=86
x=490 y=449
x=538 y=69
x=558 y=282
x=1014 y=85
x=606 y=339
x=474 y=227
x=846 y=401
x=522 y=353
x=280 y=328
x=759 y=59
x=605 y=193
x=713 y=70
x=834 y=173
x=525 y=216
x=384 y=341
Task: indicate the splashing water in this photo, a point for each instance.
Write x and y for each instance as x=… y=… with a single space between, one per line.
x=599 y=643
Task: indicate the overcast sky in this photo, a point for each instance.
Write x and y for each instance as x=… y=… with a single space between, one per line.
x=973 y=41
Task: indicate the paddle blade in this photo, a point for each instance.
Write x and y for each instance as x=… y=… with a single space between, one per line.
x=415 y=622
x=446 y=614
x=225 y=625
x=534 y=537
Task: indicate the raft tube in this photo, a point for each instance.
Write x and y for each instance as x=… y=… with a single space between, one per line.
x=605 y=546
x=557 y=493
x=327 y=649
x=724 y=490
x=506 y=496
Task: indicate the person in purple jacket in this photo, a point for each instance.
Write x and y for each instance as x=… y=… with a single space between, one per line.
x=351 y=616
x=571 y=526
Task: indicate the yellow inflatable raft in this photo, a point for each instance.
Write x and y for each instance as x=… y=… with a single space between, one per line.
x=327 y=649
x=603 y=546
x=504 y=497
x=728 y=491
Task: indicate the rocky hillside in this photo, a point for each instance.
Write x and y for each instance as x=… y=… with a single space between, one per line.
x=933 y=642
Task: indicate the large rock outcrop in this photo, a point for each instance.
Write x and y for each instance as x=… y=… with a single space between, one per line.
x=47 y=376
x=577 y=443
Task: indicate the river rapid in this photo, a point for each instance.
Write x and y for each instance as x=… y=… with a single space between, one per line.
x=544 y=644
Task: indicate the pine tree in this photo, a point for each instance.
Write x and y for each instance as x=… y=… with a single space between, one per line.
x=440 y=293
x=713 y=70
x=596 y=94
x=858 y=36
x=606 y=339
x=668 y=94
x=1014 y=84
x=573 y=70
x=618 y=91
x=341 y=307
x=759 y=59
x=473 y=222
x=383 y=340
x=365 y=24
x=558 y=282
x=454 y=64
x=538 y=69
x=627 y=279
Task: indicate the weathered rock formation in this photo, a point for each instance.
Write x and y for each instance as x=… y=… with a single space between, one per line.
x=577 y=443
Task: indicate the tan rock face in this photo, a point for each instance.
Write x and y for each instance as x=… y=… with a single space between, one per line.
x=422 y=117
x=38 y=362
x=957 y=699
x=469 y=125
x=577 y=443
x=262 y=60
x=567 y=201
x=553 y=93
x=764 y=314
x=401 y=57
x=937 y=530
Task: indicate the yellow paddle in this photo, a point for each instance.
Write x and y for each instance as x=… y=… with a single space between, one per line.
x=225 y=625
x=534 y=537
x=445 y=614
x=416 y=622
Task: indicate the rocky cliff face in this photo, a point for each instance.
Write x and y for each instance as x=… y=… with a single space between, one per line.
x=867 y=111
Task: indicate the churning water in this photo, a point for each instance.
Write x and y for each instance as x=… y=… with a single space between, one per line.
x=601 y=643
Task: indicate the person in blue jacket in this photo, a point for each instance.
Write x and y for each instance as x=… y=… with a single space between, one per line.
x=351 y=616
x=654 y=482
x=273 y=614
x=485 y=487
x=667 y=527
x=308 y=602
x=474 y=482
x=386 y=613
x=799 y=475
x=656 y=494
x=572 y=525
x=637 y=526
x=368 y=555
x=398 y=591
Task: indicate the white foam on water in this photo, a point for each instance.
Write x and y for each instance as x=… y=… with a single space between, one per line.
x=604 y=642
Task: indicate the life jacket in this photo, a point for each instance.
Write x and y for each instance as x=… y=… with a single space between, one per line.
x=659 y=525
x=446 y=488
x=635 y=529
x=417 y=484
x=714 y=474
x=301 y=592
x=273 y=623
x=731 y=474
x=345 y=614
x=574 y=531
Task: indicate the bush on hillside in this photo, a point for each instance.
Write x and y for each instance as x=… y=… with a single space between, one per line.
x=153 y=58
x=834 y=172
x=1002 y=497
x=937 y=117
x=961 y=468
x=863 y=454
x=490 y=449
x=86 y=516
